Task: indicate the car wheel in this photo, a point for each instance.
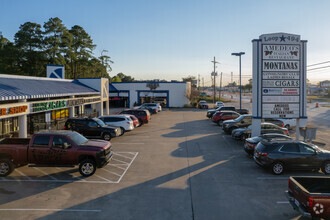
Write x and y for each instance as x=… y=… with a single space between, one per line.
x=326 y=168
x=122 y=131
x=220 y=122
x=87 y=167
x=287 y=127
x=6 y=167
x=107 y=136
x=278 y=168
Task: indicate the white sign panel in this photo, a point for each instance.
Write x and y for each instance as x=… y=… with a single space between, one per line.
x=281 y=52
x=281 y=75
x=280 y=83
x=280 y=99
x=281 y=110
x=286 y=66
x=55 y=71
x=280 y=91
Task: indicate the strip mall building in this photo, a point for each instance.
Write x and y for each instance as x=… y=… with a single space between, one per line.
x=29 y=104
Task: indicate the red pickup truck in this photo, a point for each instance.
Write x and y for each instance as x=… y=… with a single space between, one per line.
x=310 y=196
x=54 y=148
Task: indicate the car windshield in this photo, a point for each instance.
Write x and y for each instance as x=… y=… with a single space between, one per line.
x=239 y=118
x=100 y=122
x=77 y=138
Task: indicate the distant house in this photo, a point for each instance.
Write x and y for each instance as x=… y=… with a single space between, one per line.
x=325 y=84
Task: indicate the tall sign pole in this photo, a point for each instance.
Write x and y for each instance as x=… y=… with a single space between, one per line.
x=214 y=75
x=279 y=79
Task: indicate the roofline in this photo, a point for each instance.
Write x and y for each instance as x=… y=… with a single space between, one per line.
x=145 y=82
x=33 y=78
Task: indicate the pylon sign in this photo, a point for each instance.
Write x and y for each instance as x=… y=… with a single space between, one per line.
x=279 y=76
x=55 y=71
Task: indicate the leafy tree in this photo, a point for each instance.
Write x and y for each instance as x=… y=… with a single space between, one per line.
x=55 y=39
x=192 y=80
x=115 y=79
x=9 y=56
x=29 y=41
x=125 y=78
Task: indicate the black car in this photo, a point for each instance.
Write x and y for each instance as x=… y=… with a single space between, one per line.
x=241 y=122
x=92 y=128
x=266 y=128
x=291 y=155
x=251 y=143
x=210 y=113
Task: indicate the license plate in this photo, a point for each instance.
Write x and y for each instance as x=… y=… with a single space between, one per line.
x=296 y=202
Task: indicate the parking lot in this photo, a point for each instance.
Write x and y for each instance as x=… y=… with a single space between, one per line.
x=179 y=166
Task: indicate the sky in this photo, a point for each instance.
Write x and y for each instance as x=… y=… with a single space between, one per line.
x=172 y=39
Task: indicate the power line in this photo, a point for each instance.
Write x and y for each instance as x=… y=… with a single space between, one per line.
x=319 y=68
x=318 y=63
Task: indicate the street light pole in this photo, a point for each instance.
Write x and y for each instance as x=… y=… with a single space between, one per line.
x=240 y=77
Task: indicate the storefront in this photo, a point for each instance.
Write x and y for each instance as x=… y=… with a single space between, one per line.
x=31 y=104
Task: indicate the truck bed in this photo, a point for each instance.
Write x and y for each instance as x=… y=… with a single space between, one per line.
x=315 y=184
x=15 y=141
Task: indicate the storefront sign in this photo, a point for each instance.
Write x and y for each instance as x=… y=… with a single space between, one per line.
x=281 y=110
x=75 y=102
x=280 y=83
x=281 y=52
x=280 y=91
x=13 y=110
x=281 y=75
x=280 y=99
x=270 y=65
x=45 y=106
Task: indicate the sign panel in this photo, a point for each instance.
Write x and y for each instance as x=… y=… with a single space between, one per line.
x=55 y=71
x=280 y=75
x=13 y=110
x=275 y=65
x=280 y=91
x=281 y=83
x=281 y=110
x=281 y=52
x=280 y=99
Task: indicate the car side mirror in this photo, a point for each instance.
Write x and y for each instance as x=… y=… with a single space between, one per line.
x=66 y=145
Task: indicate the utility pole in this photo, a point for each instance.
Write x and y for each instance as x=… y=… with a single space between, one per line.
x=231 y=77
x=199 y=81
x=203 y=83
x=220 y=85
x=214 y=63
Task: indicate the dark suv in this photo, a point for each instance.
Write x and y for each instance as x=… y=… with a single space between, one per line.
x=210 y=113
x=241 y=122
x=92 y=128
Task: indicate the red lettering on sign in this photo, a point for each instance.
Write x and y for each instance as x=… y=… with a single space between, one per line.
x=3 y=111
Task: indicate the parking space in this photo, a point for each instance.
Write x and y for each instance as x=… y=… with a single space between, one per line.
x=113 y=172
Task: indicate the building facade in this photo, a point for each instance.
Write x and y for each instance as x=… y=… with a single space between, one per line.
x=168 y=94
x=29 y=104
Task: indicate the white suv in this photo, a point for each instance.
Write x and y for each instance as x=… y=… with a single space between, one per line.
x=155 y=106
x=122 y=121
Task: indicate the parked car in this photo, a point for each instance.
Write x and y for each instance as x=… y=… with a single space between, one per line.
x=288 y=123
x=291 y=155
x=221 y=116
x=151 y=110
x=92 y=128
x=203 y=104
x=251 y=143
x=240 y=122
x=54 y=148
x=122 y=121
x=135 y=120
x=211 y=112
x=310 y=195
x=266 y=128
x=242 y=111
x=219 y=104
x=142 y=115
x=156 y=106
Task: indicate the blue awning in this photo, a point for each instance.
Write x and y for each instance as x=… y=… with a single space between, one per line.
x=23 y=87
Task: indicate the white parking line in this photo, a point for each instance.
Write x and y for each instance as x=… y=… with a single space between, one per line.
x=119 y=161
x=282 y=202
x=116 y=166
x=128 y=167
x=103 y=178
x=72 y=174
x=29 y=178
x=45 y=173
x=57 y=210
x=272 y=178
x=112 y=172
x=123 y=156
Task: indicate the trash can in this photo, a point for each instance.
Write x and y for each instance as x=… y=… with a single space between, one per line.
x=309 y=133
